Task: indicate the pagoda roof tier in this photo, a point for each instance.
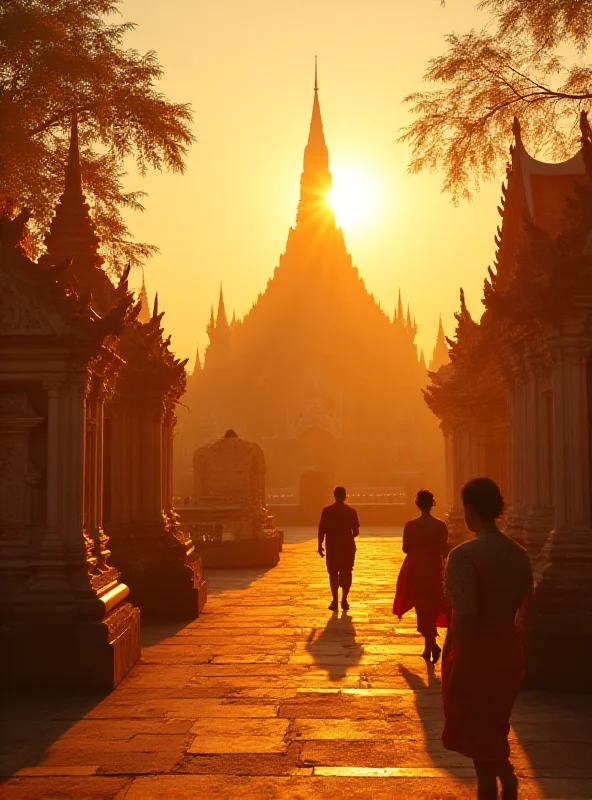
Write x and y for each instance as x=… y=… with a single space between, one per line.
x=535 y=191
x=542 y=276
x=151 y=369
x=42 y=304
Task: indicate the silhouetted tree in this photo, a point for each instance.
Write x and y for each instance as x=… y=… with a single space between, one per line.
x=530 y=62
x=60 y=55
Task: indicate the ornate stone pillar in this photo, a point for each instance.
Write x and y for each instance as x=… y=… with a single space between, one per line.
x=73 y=630
x=156 y=559
x=518 y=424
x=20 y=492
x=539 y=513
x=455 y=518
x=560 y=635
x=49 y=591
x=449 y=465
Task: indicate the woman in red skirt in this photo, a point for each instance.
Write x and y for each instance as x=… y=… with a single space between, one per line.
x=419 y=585
x=487 y=580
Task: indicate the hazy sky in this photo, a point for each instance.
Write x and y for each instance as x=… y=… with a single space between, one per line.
x=246 y=67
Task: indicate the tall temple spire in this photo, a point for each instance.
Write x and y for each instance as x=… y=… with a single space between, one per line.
x=316 y=180
x=144 y=315
x=422 y=361
x=197 y=365
x=73 y=181
x=71 y=232
x=211 y=326
x=221 y=319
x=440 y=355
x=399 y=315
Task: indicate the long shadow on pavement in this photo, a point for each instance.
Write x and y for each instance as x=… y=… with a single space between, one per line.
x=335 y=649
x=30 y=722
x=225 y=580
x=555 y=733
x=422 y=688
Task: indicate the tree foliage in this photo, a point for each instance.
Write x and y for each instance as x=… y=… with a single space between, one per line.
x=61 y=55
x=529 y=61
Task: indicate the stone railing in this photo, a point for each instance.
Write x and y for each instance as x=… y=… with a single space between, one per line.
x=358 y=495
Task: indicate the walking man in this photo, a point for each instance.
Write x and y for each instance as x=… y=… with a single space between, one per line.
x=339 y=525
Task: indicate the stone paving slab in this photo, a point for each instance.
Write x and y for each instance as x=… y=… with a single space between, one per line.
x=269 y=695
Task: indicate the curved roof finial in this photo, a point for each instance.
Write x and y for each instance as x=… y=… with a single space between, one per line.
x=517 y=131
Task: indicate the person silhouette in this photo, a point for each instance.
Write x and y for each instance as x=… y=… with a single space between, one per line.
x=339 y=526
x=420 y=584
x=487 y=581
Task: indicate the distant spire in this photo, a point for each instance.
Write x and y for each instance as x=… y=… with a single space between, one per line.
x=440 y=355
x=233 y=323
x=221 y=319
x=144 y=315
x=399 y=311
x=422 y=361
x=316 y=180
x=409 y=323
x=197 y=365
x=212 y=323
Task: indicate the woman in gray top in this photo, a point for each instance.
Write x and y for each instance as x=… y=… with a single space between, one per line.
x=487 y=580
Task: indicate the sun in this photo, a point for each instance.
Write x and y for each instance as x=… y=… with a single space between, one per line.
x=353 y=197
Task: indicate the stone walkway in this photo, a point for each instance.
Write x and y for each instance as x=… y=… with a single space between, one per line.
x=270 y=695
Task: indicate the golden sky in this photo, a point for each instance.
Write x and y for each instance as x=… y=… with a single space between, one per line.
x=247 y=66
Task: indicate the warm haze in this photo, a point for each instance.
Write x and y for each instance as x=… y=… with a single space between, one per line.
x=248 y=71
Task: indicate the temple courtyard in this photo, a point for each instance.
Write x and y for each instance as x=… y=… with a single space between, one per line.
x=270 y=695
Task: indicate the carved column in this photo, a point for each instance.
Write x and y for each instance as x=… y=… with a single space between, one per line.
x=20 y=512
x=455 y=518
x=539 y=513
x=49 y=588
x=518 y=489
x=560 y=637
x=157 y=561
x=449 y=465
x=571 y=536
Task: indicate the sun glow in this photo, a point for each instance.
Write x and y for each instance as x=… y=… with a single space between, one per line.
x=353 y=198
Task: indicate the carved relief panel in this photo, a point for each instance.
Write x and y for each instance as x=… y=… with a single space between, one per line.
x=20 y=480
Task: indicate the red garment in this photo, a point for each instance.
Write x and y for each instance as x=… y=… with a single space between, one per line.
x=420 y=584
x=478 y=726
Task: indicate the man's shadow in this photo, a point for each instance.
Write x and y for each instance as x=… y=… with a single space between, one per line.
x=335 y=649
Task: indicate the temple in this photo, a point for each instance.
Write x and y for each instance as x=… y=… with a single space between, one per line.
x=88 y=390
x=515 y=402
x=316 y=372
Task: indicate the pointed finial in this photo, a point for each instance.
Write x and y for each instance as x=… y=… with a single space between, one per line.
x=517 y=131
x=144 y=315
x=316 y=87
x=155 y=308
x=221 y=318
x=197 y=366
x=73 y=183
x=400 y=307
